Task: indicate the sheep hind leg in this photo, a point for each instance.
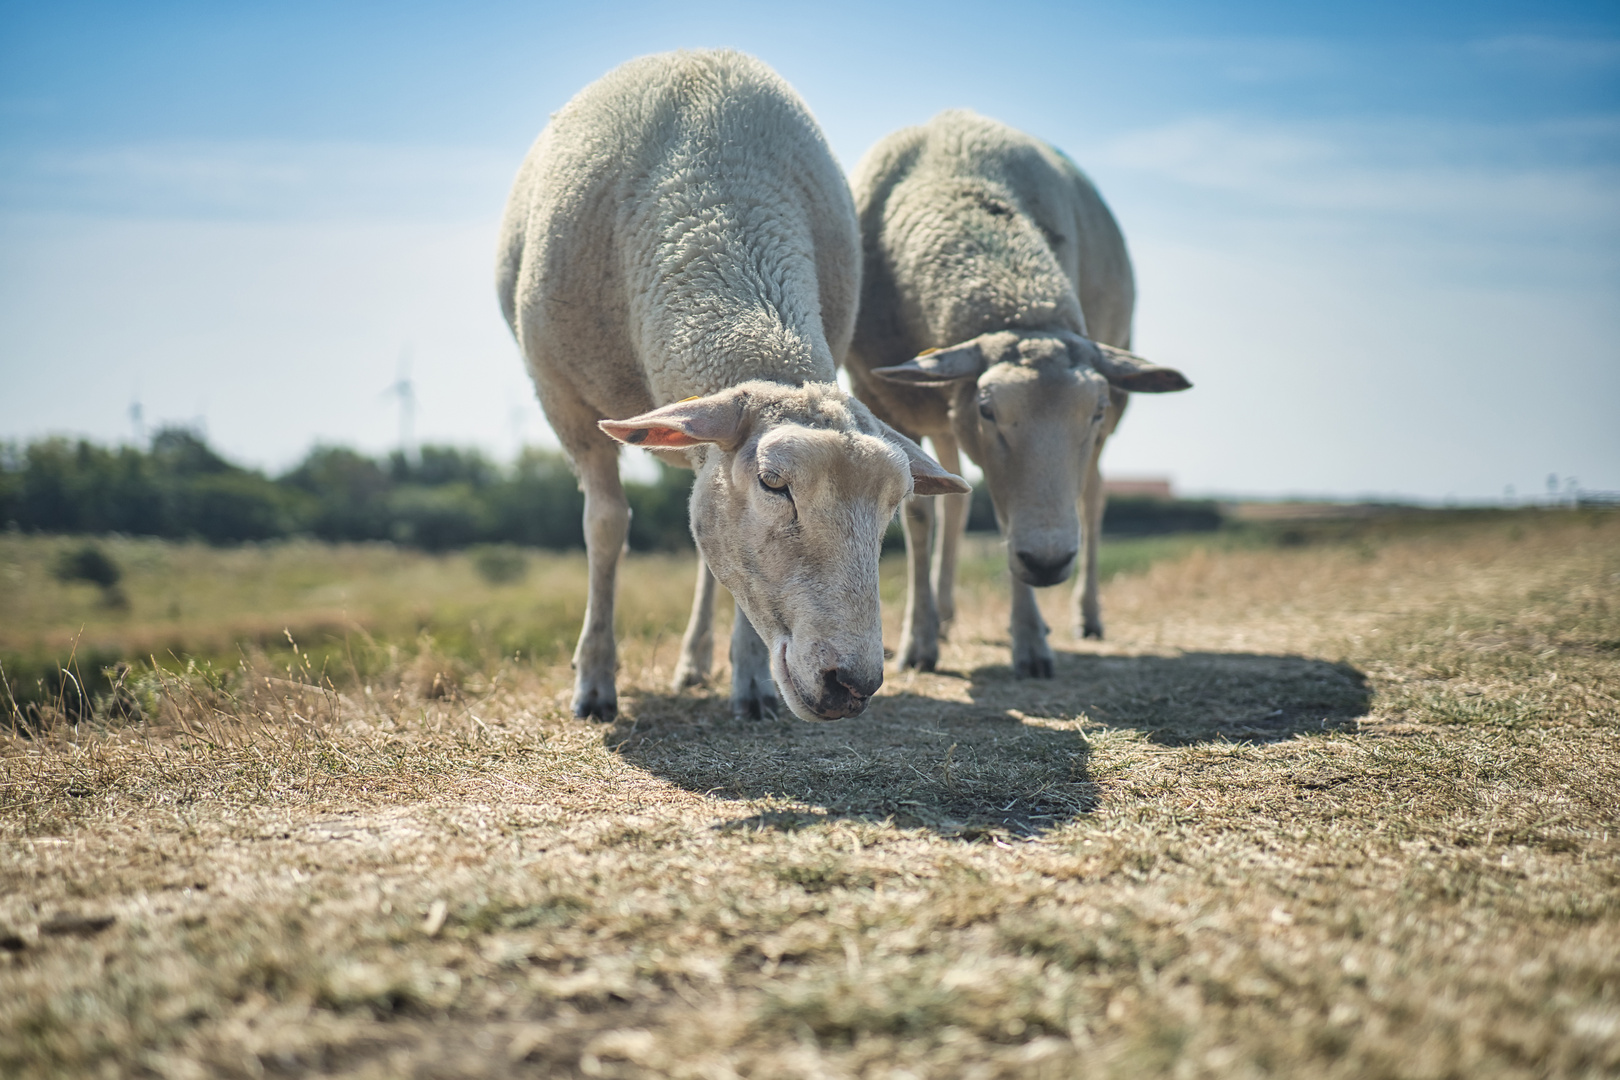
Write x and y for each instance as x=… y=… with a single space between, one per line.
x=607 y=524
x=952 y=522
x=697 y=646
x=753 y=693
x=919 y=633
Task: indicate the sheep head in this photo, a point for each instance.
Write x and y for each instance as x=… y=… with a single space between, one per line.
x=1029 y=406
x=795 y=487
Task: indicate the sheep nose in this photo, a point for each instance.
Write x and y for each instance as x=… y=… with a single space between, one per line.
x=845 y=693
x=1045 y=571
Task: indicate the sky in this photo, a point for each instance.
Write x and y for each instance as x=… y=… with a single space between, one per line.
x=1382 y=239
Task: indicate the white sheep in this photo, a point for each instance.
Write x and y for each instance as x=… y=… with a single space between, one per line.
x=995 y=317
x=680 y=244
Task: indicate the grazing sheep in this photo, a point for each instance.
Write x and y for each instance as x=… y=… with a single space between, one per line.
x=680 y=244
x=995 y=315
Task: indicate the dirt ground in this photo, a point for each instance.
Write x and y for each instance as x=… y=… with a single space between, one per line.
x=1344 y=809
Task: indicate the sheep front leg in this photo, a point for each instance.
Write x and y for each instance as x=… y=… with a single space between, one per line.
x=607 y=523
x=952 y=522
x=1032 y=656
x=1087 y=610
x=753 y=694
x=697 y=646
x=919 y=632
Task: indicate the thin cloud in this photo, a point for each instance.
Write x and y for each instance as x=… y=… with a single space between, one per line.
x=260 y=181
x=1541 y=50
x=1443 y=176
x=1250 y=60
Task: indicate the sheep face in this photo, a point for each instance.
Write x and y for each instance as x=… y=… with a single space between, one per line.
x=1029 y=420
x=795 y=487
x=1028 y=406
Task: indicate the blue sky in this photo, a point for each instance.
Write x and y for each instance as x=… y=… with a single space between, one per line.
x=1384 y=242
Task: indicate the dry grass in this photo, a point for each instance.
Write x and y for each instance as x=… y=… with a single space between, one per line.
x=1345 y=810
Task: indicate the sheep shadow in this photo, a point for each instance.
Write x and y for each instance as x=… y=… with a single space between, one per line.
x=1188 y=698
x=1009 y=760
x=955 y=768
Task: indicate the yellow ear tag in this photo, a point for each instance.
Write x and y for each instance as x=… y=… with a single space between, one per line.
x=928 y=352
x=683 y=400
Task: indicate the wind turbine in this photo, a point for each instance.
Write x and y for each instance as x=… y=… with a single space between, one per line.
x=403 y=389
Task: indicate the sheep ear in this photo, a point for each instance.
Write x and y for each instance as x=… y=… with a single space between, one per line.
x=938 y=367
x=928 y=477
x=714 y=419
x=1124 y=369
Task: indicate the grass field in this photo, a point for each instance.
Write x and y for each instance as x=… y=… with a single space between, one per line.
x=1343 y=808
x=356 y=610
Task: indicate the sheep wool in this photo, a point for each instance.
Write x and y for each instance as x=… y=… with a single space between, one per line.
x=680 y=226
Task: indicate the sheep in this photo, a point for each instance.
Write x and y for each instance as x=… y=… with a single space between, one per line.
x=995 y=318
x=679 y=263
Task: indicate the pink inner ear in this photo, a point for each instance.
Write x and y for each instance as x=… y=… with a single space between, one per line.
x=669 y=438
x=930 y=478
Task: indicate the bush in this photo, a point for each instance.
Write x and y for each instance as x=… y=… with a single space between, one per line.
x=435 y=466
x=1123 y=515
x=444 y=498
x=59 y=486
x=437 y=518
x=981 y=511
x=1128 y=515
x=87 y=563
x=539 y=504
x=347 y=489
x=659 y=516
x=500 y=564
x=233 y=506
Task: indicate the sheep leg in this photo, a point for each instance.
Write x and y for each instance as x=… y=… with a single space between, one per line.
x=607 y=523
x=951 y=524
x=1087 y=616
x=697 y=646
x=1032 y=656
x=919 y=632
x=1087 y=612
x=753 y=694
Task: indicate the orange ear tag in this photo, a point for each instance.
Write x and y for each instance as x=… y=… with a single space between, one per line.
x=928 y=352
x=664 y=437
x=684 y=400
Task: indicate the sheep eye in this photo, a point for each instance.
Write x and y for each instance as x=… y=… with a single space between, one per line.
x=986 y=411
x=773 y=482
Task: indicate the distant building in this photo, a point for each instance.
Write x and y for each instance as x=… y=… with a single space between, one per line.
x=1141 y=487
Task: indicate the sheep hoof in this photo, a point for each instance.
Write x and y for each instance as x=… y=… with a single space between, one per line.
x=756 y=707
x=595 y=699
x=596 y=709
x=1092 y=629
x=919 y=655
x=686 y=678
x=1035 y=666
